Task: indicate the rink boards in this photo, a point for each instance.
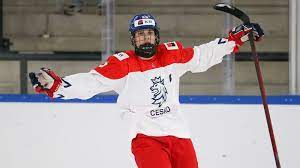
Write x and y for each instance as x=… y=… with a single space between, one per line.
x=228 y=132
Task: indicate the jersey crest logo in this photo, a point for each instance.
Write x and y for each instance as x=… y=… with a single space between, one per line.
x=159 y=91
x=171 y=45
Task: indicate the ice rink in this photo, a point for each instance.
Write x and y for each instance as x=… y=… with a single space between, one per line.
x=76 y=135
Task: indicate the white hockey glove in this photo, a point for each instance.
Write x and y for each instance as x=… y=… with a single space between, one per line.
x=46 y=81
x=240 y=34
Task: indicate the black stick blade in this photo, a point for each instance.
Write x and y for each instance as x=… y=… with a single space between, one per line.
x=233 y=11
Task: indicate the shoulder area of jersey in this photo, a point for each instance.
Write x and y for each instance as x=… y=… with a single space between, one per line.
x=121 y=56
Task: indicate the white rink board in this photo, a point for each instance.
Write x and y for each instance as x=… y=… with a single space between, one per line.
x=77 y=135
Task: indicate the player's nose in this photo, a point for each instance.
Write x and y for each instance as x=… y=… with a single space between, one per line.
x=147 y=38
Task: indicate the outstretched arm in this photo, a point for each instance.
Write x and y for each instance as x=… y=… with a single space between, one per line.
x=81 y=85
x=212 y=53
x=109 y=76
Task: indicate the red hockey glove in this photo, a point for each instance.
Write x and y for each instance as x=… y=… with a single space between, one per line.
x=240 y=34
x=45 y=82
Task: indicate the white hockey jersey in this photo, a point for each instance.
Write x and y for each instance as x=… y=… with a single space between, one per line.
x=148 y=89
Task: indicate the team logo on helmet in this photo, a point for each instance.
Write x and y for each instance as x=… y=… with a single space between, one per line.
x=140 y=22
x=159 y=91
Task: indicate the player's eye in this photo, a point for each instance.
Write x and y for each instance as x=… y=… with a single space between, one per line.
x=141 y=33
x=150 y=33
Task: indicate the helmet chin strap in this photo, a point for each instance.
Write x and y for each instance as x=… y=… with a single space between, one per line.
x=146 y=50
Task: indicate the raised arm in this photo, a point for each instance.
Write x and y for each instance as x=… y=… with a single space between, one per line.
x=207 y=55
x=81 y=85
x=109 y=76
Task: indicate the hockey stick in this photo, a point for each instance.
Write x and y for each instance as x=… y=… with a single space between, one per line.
x=245 y=18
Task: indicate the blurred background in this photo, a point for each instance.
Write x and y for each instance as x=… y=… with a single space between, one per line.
x=71 y=36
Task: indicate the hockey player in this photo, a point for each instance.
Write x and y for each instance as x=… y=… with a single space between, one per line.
x=147 y=82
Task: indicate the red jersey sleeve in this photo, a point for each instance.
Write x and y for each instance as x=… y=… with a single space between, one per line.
x=185 y=54
x=116 y=66
x=113 y=73
x=183 y=57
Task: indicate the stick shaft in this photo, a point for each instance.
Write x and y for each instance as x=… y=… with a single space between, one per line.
x=245 y=18
x=264 y=99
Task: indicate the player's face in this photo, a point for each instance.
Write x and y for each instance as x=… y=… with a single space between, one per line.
x=144 y=36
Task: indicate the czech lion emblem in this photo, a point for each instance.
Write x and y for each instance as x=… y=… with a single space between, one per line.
x=159 y=91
